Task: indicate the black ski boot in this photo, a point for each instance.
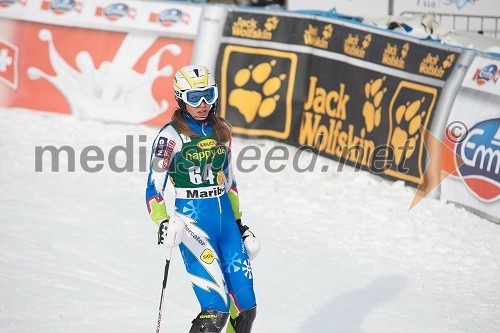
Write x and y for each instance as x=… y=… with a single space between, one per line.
x=243 y=323
x=209 y=321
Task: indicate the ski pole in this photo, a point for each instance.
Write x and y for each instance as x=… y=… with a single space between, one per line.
x=165 y=276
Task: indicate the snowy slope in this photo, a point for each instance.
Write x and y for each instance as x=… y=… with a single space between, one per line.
x=341 y=252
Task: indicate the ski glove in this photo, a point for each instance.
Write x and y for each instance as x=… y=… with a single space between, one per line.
x=162 y=231
x=170 y=232
x=252 y=244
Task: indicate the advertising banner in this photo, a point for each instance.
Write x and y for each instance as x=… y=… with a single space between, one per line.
x=106 y=75
x=474 y=138
x=340 y=38
x=167 y=19
x=354 y=95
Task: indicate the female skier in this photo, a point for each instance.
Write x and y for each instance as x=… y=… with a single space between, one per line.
x=194 y=151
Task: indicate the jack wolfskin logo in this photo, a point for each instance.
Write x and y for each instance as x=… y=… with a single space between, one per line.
x=311 y=36
x=352 y=47
x=257 y=90
x=408 y=115
x=250 y=28
x=392 y=58
x=430 y=65
x=262 y=102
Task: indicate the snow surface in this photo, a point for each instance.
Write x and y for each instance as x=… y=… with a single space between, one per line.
x=341 y=252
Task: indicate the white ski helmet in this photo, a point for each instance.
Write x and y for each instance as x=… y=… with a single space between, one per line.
x=193 y=84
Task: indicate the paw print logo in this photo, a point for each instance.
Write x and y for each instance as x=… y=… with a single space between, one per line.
x=251 y=103
x=256 y=90
x=408 y=118
x=372 y=109
x=404 y=50
x=271 y=23
x=366 y=41
x=327 y=31
x=448 y=61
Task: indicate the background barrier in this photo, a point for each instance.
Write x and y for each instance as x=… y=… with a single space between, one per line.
x=353 y=93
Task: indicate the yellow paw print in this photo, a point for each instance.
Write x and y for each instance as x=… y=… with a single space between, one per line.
x=448 y=61
x=372 y=110
x=251 y=103
x=271 y=23
x=327 y=31
x=366 y=41
x=408 y=120
x=404 y=50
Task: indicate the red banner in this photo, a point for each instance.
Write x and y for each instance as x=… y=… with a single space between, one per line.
x=105 y=75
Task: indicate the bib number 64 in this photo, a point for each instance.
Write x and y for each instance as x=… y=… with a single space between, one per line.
x=196 y=176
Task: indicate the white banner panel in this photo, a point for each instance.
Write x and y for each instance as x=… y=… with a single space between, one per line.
x=168 y=18
x=473 y=134
x=349 y=7
x=464 y=7
x=483 y=75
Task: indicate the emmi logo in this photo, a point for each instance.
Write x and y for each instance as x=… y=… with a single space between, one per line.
x=430 y=65
x=250 y=28
x=311 y=36
x=207 y=256
x=352 y=47
x=331 y=138
x=391 y=57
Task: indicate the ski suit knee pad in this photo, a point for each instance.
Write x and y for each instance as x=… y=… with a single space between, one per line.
x=243 y=323
x=209 y=321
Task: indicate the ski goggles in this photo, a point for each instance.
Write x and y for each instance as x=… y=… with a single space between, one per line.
x=194 y=97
